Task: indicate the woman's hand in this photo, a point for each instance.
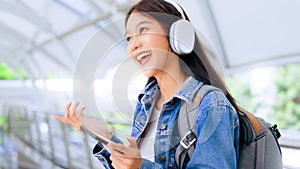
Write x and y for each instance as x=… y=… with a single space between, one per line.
x=124 y=157
x=72 y=115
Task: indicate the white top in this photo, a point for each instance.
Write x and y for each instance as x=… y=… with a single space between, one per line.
x=147 y=145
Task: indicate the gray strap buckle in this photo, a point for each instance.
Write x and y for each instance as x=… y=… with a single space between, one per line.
x=188 y=139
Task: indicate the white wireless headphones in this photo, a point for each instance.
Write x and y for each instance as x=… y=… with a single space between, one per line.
x=182 y=33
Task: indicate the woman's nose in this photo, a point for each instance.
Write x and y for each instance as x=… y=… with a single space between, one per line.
x=136 y=43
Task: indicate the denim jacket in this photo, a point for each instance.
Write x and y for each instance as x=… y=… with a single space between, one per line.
x=217 y=128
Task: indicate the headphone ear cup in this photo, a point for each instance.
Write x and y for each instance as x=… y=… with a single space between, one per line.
x=182 y=37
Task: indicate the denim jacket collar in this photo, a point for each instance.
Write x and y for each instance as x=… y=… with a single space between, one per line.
x=188 y=89
x=186 y=92
x=149 y=93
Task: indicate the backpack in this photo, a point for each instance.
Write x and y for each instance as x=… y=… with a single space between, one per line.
x=259 y=148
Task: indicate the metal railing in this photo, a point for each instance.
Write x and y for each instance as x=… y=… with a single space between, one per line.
x=47 y=142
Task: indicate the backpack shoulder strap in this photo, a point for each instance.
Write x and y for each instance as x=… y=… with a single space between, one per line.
x=186 y=124
x=256 y=124
x=188 y=112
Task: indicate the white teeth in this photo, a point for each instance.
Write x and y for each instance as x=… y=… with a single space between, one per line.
x=141 y=56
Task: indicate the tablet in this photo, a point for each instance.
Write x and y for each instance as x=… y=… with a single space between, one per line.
x=96 y=136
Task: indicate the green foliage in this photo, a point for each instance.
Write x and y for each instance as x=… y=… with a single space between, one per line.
x=284 y=109
x=239 y=87
x=50 y=76
x=3 y=122
x=121 y=128
x=287 y=103
x=7 y=73
x=21 y=73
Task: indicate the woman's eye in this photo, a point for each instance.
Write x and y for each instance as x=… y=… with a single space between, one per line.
x=128 y=38
x=143 y=29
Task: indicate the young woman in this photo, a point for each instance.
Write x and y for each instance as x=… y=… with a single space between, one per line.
x=172 y=79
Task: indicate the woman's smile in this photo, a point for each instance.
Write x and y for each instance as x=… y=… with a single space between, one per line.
x=142 y=57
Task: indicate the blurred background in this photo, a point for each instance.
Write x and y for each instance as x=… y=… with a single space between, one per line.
x=256 y=47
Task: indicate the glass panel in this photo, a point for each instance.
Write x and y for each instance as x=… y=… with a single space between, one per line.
x=271 y=93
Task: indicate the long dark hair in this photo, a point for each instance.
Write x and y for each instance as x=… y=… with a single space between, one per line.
x=196 y=63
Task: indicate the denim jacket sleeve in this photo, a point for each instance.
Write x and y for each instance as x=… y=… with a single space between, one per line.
x=102 y=154
x=217 y=128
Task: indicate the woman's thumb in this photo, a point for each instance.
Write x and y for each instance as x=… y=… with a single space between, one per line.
x=132 y=142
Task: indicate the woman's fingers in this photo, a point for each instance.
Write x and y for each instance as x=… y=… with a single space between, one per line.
x=124 y=157
x=79 y=116
x=61 y=119
x=123 y=151
x=67 y=108
x=118 y=149
x=71 y=115
x=116 y=163
x=80 y=112
x=132 y=142
x=74 y=109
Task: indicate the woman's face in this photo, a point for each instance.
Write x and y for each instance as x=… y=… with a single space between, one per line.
x=148 y=44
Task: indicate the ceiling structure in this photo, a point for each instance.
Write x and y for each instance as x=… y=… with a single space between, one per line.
x=45 y=38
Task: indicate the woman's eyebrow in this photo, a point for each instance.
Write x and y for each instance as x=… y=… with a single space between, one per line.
x=137 y=25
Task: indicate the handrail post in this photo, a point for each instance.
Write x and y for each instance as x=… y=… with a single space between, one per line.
x=66 y=144
x=50 y=139
x=40 y=148
x=86 y=142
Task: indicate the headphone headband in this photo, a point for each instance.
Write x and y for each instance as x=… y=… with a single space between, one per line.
x=178 y=7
